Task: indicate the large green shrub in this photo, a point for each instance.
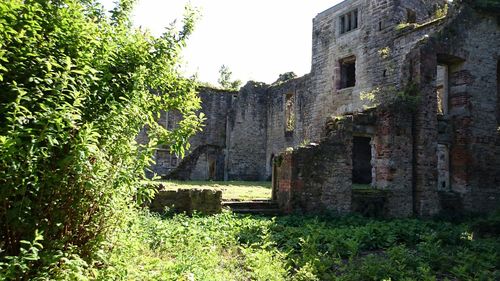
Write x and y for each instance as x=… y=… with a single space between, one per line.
x=75 y=89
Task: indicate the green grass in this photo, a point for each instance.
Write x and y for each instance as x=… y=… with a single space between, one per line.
x=232 y=190
x=233 y=247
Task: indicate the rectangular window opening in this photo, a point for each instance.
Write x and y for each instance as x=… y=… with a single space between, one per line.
x=411 y=16
x=348 y=72
x=362 y=160
x=349 y=21
x=355 y=19
x=289 y=113
x=498 y=93
x=442 y=85
x=342 y=24
x=173 y=160
x=443 y=167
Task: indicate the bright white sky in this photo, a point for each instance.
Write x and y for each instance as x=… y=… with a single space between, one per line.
x=256 y=39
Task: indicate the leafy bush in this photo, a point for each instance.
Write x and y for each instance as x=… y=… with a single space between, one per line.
x=76 y=88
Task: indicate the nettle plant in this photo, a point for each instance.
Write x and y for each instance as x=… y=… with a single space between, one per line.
x=76 y=87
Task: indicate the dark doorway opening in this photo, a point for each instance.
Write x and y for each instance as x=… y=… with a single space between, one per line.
x=212 y=168
x=274 y=178
x=498 y=93
x=361 y=160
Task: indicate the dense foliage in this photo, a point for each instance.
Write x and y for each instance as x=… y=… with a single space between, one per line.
x=232 y=247
x=76 y=87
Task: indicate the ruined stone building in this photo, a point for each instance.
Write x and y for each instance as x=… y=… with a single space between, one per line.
x=400 y=113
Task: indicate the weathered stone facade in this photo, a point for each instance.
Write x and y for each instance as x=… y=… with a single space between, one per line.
x=403 y=92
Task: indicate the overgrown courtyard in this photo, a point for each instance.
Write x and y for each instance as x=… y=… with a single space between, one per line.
x=234 y=247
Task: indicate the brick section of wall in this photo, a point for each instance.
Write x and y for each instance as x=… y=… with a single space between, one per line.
x=393 y=160
x=469 y=45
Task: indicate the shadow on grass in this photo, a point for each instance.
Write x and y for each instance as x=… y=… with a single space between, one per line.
x=359 y=248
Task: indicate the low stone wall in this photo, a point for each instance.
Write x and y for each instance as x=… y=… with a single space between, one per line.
x=370 y=202
x=187 y=201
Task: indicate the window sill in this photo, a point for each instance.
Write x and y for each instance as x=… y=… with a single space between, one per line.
x=340 y=35
x=345 y=90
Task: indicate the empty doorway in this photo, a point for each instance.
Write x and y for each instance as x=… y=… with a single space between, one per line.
x=361 y=160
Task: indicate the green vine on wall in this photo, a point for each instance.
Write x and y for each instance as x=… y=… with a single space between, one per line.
x=406 y=99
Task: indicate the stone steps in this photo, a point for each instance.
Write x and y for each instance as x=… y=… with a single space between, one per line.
x=257 y=207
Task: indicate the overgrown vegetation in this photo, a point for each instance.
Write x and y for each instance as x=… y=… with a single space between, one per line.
x=404 y=100
x=285 y=77
x=440 y=13
x=232 y=247
x=76 y=87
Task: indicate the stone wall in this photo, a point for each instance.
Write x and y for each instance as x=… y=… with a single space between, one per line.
x=247 y=129
x=206 y=158
x=393 y=161
x=469 y=46
x=317 y=178
x=394 y=53
x=277 y=136
x=188 y=201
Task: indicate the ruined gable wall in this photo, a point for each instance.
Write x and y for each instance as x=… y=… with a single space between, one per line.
x=206 y=147
x=382 y=67
x=247 y=134
x=215 y=105
x=277 y=136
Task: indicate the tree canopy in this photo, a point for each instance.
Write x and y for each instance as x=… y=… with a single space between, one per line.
x=225 y=79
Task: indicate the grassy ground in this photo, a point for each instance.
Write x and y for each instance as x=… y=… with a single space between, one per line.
x=235 y=247
x=300 y=248
x=232 y=190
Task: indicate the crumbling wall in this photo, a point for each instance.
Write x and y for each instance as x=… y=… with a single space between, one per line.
x=470 y=46
x=317 y=178
x=206 y=157
x=278 y=137
x=394 y=159
x=393 y=53
x=247 y=129
x=204 y=162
